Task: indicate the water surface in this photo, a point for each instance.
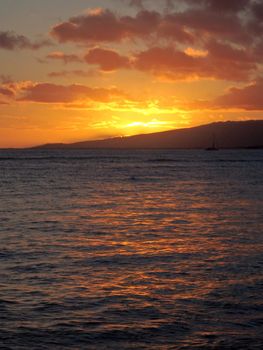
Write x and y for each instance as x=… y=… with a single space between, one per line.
x=146 y=249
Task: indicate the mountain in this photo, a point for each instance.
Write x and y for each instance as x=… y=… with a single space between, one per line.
x=241 y=134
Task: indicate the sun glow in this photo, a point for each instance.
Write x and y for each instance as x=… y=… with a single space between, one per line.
x=154 y=123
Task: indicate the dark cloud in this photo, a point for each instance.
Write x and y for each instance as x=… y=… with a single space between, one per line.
x=233 y=6
x=230 y=63
x=229 y=53
x=108 y=60
x=12 y=41
x=207 y=24
x=105 y=26
x=170 y=28
x=257 y=10
x=217 y=19
x=95 y=27
x=227 y=5
x=255 y=23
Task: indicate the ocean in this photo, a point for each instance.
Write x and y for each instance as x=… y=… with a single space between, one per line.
x=131 y=249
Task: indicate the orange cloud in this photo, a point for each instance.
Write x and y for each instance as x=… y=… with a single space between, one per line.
x=221 y=62
x=108 y=60
x=6 y=91
x=247 y=98
x=53 y=93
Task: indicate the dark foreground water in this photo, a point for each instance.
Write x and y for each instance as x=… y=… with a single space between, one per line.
x=131 y=250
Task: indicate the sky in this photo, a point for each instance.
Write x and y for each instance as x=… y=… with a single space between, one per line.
x=85 y=69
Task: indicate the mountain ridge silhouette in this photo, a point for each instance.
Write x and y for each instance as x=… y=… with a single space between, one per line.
x=230 y=134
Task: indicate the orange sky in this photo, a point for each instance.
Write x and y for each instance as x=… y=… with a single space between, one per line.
x=74 y=70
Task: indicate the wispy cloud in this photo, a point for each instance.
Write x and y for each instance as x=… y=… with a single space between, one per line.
x=66 y=58
x=78 y=72
x=12 y=41
x=55 y=93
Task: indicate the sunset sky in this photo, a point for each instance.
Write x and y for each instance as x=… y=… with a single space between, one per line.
x=91 y=69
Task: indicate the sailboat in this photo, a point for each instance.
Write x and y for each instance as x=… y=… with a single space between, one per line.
x=213 y=146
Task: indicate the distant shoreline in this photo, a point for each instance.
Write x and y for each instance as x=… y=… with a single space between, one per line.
x=252 y=148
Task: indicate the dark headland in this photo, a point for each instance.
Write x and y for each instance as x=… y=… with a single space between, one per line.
x=241 y=134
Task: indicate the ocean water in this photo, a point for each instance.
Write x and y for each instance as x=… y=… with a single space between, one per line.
x=143 y=249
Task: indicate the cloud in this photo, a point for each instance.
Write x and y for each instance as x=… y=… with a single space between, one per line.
x=77 y=72
x=223 y=29
x=255 y=23
x=247 y=98
x=184 y=24
x=95 y=27
x=105 y=26
x=66 y=58
x=227 y=52
x=230 y=63
x=6 y=91
x=167 y=61
x=221 y=62
x=212 y=24
x=12 y=41
x=53 y=93
x=227 y=5
x=108 y=60
x=169 y=28
x=257 y=10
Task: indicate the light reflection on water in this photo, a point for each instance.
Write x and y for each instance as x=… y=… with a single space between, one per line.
x=131 y=249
